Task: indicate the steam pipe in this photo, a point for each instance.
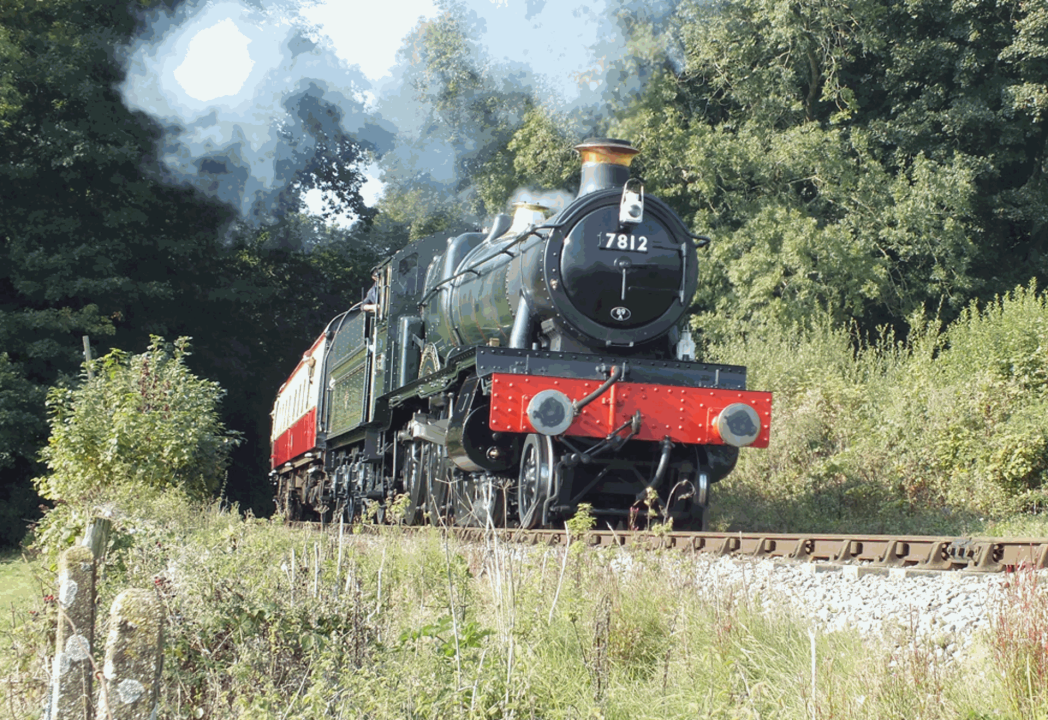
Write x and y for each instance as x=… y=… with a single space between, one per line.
x=522 y=325
x=614 y=377
x=664 y=462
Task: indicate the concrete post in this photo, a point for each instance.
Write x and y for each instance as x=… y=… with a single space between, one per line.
x=134 y=651
x=72 y=670
x=96 y=537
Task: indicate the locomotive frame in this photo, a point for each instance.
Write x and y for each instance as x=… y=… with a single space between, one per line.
x=509 y=376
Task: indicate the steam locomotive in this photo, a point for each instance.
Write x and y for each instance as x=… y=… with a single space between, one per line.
x=507 y=377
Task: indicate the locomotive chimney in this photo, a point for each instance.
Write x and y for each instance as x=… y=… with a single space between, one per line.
x=605 y=163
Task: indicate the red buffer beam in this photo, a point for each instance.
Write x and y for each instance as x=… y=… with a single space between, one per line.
x=685 y=414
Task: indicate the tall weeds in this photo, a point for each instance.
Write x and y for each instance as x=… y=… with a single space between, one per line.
x=1020 y=643
x=945 y=431
x=392 y=626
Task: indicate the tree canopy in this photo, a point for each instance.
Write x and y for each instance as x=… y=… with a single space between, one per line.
x=96 y=240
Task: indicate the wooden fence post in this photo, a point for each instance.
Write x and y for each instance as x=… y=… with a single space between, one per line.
x=72 y=669
x=134 y=651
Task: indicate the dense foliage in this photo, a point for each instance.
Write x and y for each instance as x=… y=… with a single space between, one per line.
x=95 y=241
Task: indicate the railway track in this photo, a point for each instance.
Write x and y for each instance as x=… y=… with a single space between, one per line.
x=973 y=554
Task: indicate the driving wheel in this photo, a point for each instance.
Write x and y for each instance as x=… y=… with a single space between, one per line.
x=536 y=480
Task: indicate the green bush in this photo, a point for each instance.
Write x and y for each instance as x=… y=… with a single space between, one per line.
x=137 y=426
x=139 y=421
x=942 y=432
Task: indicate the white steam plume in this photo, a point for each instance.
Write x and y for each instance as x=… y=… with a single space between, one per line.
x=280 y=80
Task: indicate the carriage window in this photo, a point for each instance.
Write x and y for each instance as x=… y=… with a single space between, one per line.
x=407 y=275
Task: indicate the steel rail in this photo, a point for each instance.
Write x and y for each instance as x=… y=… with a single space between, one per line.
x=934 y=553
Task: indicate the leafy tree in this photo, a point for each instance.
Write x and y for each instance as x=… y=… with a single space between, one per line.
x=95 y=240
x=91 y=240
x=137 y=424
x=451 y=166
x=967 y=80
x=542 y=155
x=860 y=159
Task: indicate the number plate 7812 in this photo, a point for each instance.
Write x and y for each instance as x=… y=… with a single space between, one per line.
x=621 y=241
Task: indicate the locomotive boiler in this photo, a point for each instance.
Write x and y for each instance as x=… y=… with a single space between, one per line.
x=509 y=376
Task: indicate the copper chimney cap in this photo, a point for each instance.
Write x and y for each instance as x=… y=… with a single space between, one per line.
x=607 y=150
x=605 y=163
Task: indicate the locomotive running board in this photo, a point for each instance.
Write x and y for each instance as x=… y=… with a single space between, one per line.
x=583 y=366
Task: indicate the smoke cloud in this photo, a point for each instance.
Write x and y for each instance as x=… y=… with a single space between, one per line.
x=279 y=88
x=281 y=85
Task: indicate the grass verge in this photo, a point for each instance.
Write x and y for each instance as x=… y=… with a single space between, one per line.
x=19 y=585
x=269 y=622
